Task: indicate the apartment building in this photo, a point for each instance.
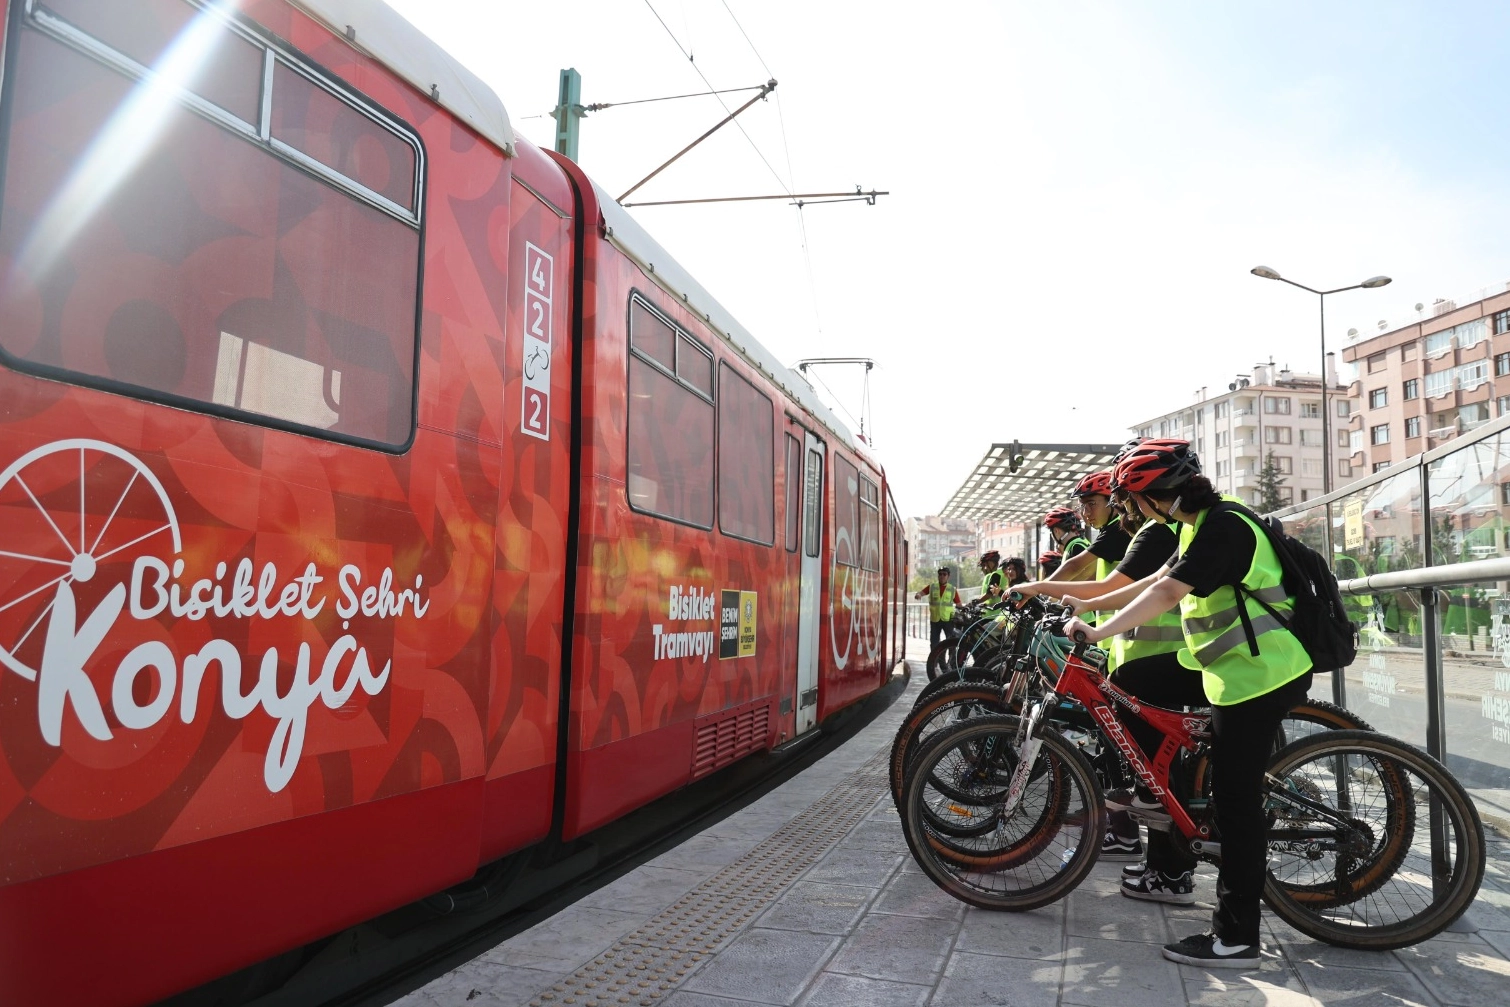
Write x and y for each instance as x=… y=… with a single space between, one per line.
x=1262 y=411
x=931 y=538
x=1420 y=384
x=1008 y=539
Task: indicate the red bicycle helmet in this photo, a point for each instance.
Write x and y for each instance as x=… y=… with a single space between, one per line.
x=1061 y=516
x=1049 y=561
x=1162 y=464
x=1093 y=484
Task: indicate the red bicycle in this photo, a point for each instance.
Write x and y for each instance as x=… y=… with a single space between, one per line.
x=1372 y=842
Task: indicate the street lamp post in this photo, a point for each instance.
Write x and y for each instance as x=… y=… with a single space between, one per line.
x=1339 y=686
x=1326 y=436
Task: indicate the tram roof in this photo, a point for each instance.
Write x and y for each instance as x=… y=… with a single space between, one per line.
x=383 y=33
x=631 y=238
x=1043 y=476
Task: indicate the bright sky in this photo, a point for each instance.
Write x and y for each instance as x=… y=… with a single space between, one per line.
x=1079 y=189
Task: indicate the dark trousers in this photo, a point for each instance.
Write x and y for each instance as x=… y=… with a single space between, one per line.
x=1242 y=743
x=939 y=631
x=1159 y=680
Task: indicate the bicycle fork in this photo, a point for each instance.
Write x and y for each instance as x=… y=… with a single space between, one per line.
x=1027 y=753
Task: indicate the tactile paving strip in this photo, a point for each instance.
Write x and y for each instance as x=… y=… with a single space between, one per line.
x=651 y=962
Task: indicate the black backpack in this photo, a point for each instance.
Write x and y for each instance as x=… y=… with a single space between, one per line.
x=1319 y=620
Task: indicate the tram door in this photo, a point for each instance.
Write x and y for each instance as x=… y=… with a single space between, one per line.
x=810 y=590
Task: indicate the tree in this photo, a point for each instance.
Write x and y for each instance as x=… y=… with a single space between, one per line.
x=1270 y=479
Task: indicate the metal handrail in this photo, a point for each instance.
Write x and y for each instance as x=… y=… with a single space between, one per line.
x=1476 y=571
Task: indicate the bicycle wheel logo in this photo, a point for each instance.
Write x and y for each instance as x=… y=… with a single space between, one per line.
x=77 y=514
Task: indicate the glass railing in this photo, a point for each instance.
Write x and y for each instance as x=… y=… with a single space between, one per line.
x=1422 y=552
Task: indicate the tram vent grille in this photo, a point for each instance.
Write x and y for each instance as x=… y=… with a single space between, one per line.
x=723 y=741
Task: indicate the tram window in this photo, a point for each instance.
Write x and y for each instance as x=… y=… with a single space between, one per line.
x=228 y=67
x=205 y=269
x=670 y=436
x=319 y=125
x=870 y=525
x=746 y=459
x=846 y=513
x=812 y=506
x=793 y=491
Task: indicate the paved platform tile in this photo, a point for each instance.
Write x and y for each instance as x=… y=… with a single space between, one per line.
x=765 y=966
x=1126 y=973
x=987 y=981
x=832 y=990
x=819 y=908
x=901 y=948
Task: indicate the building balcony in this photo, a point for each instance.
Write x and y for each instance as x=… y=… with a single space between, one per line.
x=1442 y=433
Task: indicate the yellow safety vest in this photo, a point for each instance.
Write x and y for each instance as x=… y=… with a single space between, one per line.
x=999 y=578
x=1162 y=635
x=1216 y=643
x=940 y=603
x=1104 y=567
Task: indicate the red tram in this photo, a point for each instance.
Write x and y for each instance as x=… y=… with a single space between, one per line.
x=377 y=497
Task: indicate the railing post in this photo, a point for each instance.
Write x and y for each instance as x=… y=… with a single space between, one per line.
x=1339 y=675
x=1431 y=650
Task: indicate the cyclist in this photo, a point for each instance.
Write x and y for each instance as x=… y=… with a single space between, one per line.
x=942 y=598
x=1047 y=563
x=1093 y=499
x=1016 y=571
x=1252 y=670
x=1067 y=530
x=993 y=583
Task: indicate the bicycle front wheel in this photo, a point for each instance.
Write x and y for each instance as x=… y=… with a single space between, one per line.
x=1034 y=855
x=1349 y=860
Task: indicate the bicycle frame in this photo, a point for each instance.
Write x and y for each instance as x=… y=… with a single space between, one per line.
x=1094 y=691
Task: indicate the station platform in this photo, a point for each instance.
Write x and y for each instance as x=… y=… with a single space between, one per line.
x=809 y=897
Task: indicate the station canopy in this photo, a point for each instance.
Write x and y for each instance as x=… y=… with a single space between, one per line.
x=1018 y=483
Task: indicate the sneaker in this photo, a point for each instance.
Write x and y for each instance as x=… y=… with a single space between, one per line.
x=1133 y=872
x=1134 y=803
x=1115 y=848
x=1208 y=951
x=1152 y=886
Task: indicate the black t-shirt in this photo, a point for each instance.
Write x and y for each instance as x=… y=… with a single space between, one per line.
x=1111 y=542
x=1151 y=549
x=1220 y=554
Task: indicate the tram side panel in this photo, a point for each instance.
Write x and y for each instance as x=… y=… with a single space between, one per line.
x=850 y=652
x=244 y=691
x=684 y=587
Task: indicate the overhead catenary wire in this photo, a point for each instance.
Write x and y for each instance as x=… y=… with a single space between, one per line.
x=751 y=140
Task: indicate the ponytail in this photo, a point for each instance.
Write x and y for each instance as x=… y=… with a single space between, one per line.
x=1195 y=496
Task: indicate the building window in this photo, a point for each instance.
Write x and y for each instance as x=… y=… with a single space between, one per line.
x=1223 y=469
x=257 y=255
x=1380 y=466
x=1379 y=434
x=1305 y=495
x=746 y=460
x=1344 y=409
x=1311 y=467
x=1285 y=464
x=1378 y=398
x=1279 y=406
x=1310 y=437
x=1310 y=410
x=1470 y=376
x=1286 y=495
x=1219 y=410
x=1501 y=322
x=1344 y=468
x=1276 y=435
x=1502 y=405
x=1472 y=333
x=1412 y=426
x=1221 y=439
x=1438 y=383
x=1350 y=439
x=1501 y=362
x=1412 y=388
x=1408 y=351
x=1505 y=494
x=1438 y=343
x=1376 y=363
x=670 y=450
x=793 y=491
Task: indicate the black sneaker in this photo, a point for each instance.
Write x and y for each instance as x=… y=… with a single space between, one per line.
x=1117 y=849
x=1152 y=886
x=1133 y=872
x=1207 y=951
